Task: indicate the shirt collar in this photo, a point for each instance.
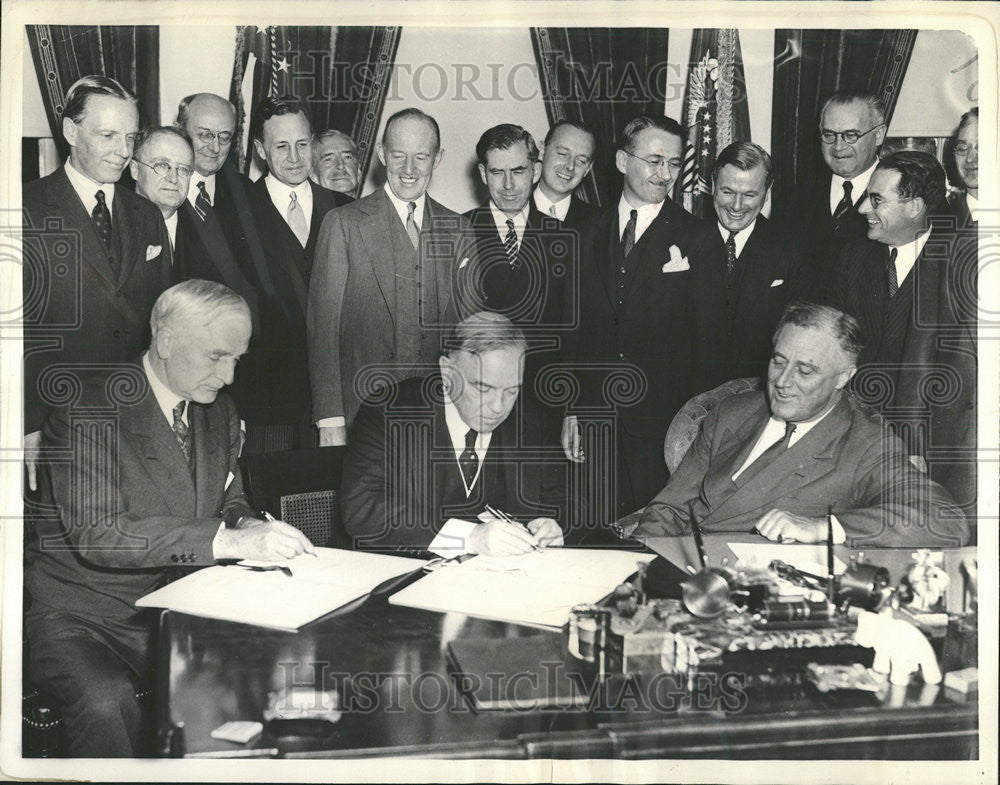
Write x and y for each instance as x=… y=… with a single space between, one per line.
x=543 y=203
x=281 y=194
x=973 y=204
x=520 y=220
x=741 y=236
x=906 y=255
x=171 y=224
x=165 y=397
x=402 y=210
x=859 y=184
x=209 y=187
x=801 y=428
x=644 y=217
x=457 y=429
x=87 y=189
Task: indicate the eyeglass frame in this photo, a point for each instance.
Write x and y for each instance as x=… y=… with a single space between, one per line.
x=843 y=134
x=967 y=145
x=170 y=167
x=663 y=161
x=207 y=136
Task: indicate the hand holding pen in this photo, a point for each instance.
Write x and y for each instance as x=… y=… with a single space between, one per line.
x=503 y=535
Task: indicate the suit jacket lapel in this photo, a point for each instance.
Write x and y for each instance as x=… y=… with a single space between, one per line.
x=123 y=223
x=376 y=228
x=443 y=266
x=160 y=455
x=612 y=246
x=64 y=200
x=208 y=443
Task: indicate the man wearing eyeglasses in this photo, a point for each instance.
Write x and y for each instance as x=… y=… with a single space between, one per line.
x=911 y=285
x=644 y=341
x=85 y=234
x=162 y=166
x=825 y=213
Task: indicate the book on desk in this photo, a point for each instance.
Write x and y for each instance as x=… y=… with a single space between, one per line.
x=281 y=595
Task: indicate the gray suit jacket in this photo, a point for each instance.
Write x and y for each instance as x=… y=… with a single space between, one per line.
x=849 y=460
x=130 y=511
x=352 y=294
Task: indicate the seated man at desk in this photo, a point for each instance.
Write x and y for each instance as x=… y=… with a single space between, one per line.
x=427 y=457
x=151 y=477
x=776 y=460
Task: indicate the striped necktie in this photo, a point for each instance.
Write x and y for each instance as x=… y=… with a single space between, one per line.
x=510 y=243
x=182 y=431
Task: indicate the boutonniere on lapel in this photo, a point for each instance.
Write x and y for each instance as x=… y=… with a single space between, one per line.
x=152 y=251
x=677 y=263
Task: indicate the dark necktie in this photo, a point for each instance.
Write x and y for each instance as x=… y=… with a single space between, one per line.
x=844 y=205
x=102 y=220
x=628 y=236
x=202 y=204
x=891 y=279
x=768 y=456
x=731 y=253
x=468 y=461
x=510 y=243
x=182 y=430
x=411 y=225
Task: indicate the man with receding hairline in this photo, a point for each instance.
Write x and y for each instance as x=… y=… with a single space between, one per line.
x=83 y=233
x=157 y=492
x=335 y=162
x=567 y=158
x=383 y=277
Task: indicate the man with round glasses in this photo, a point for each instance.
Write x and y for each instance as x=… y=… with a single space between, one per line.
x=851 y=130
x=965 y=146
x=161 y=166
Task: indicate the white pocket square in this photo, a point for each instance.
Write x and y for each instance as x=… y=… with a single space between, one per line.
x=678 y=262
x=465 y=261
x=152 y=251
x=777 y=282
x=229 y=479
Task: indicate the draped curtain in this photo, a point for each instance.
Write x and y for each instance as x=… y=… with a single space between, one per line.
x=602 y=77
x=342 y=74
x=809 y=66
x=64 y=53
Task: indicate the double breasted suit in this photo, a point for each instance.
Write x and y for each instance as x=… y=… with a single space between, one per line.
x=377 y=303
x=919 y=364
x=643 y=358
x=132 y=511
x=402 y=481
x=848 y=461
x=84 y=302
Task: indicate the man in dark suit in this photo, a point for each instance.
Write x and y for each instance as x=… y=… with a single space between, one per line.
x=288 y=211
x=96 y=256
x=777 y=461
x=646 y=313
x=825 y=212
x=965 y=148
x=759 y=268
x=567 y=157
x=157 y=478
x=469 y=432
x=912 y=286
x=384 y=276
x=524 y=260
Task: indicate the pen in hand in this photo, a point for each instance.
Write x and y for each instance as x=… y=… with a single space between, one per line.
x=271 y=519
x=510 y=519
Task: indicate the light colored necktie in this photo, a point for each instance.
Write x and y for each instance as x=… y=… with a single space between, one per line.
x=411 y=225
x=297 y=220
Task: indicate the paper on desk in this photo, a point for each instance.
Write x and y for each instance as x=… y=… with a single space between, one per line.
x=537 y=589
x=319 y=584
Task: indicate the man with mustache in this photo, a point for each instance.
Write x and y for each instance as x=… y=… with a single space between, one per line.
x=646 y=341
x=335 y=162
x=84 y=234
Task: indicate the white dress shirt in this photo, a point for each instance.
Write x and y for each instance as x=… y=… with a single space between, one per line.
x=973 y=204
x=87 y=189
x=645 y=217
x=547 y=206
x=281 y=197
x=402 y=207
x=859 y=185
x=171 y=224
x=741 y=236
x=774 y=431
x=906 y=256
x=452 y=538
x=209 y=187
x=166 y=399
x=520 y=220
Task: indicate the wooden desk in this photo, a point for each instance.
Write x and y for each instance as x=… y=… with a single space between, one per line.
x=389 y=665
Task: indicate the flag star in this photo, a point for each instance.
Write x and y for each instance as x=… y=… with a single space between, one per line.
x=283 y=65
x=261 y=29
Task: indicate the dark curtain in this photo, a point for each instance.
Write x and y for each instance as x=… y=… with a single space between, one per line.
x=64 y=53
x=809 y=66
x=602 y=77
x=342 y=73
